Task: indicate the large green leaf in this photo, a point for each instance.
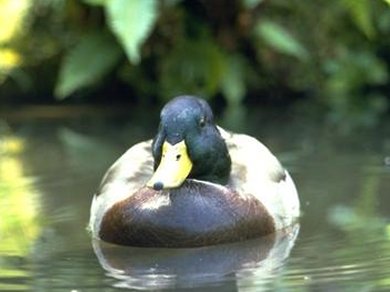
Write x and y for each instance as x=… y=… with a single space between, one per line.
x=132 y=21
x=93 y=57
x=280 y=39
x=361 y=13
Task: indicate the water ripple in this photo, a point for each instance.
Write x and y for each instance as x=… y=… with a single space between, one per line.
x=341 y=262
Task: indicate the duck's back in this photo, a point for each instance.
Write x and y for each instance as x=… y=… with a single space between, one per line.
x=256 y=172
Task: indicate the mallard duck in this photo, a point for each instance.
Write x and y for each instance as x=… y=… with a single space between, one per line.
x=194 y=184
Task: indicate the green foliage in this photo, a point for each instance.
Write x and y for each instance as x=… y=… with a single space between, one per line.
x=348 y=76
x=361 y=12
x=280 y=39
x=250 y=4
x=96 y=2
x=91 y=59
x=208 y=71
x=335 y=53
x=192 y=67
x=131 y=21
x=233 y=82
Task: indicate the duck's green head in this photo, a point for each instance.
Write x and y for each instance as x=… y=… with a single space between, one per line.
x=188 y=144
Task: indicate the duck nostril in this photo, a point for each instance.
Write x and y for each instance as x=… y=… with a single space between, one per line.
x=158 y=186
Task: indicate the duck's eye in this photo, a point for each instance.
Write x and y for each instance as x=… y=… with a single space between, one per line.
x=202 y=122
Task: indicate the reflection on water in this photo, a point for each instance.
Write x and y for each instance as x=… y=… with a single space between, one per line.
x=49 y=170
x=194 y=267
x=19 y=213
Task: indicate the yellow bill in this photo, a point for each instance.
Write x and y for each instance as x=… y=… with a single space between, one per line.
x=174 y=167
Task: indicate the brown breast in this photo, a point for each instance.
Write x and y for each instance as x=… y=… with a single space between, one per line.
x=196 y=214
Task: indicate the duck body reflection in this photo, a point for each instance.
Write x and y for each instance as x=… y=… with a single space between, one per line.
x=232 y=264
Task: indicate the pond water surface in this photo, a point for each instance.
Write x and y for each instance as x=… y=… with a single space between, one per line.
x=51 y=166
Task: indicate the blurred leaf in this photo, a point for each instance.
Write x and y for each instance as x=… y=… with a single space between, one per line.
x=383 y=21
x=194 y=67
x=344 y=88
x=387 y=1
x=250 y=4
x=12 y=14
x=373 y=68
x=233 y=81
x=280 y=39
x=96 y=2
x=93 y=57
x=361 y=12
x=353 y=70
x=132 y=22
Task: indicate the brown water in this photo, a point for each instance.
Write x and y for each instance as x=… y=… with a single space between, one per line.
x=50 y=167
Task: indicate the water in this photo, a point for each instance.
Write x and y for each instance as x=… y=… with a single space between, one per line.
x=50 y=167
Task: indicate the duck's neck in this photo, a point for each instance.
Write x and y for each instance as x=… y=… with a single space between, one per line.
x=211 y=160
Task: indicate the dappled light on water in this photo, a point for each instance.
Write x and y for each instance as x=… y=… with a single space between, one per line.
x=19 y=209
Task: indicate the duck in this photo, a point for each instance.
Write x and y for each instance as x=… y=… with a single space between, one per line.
x=194 y=184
